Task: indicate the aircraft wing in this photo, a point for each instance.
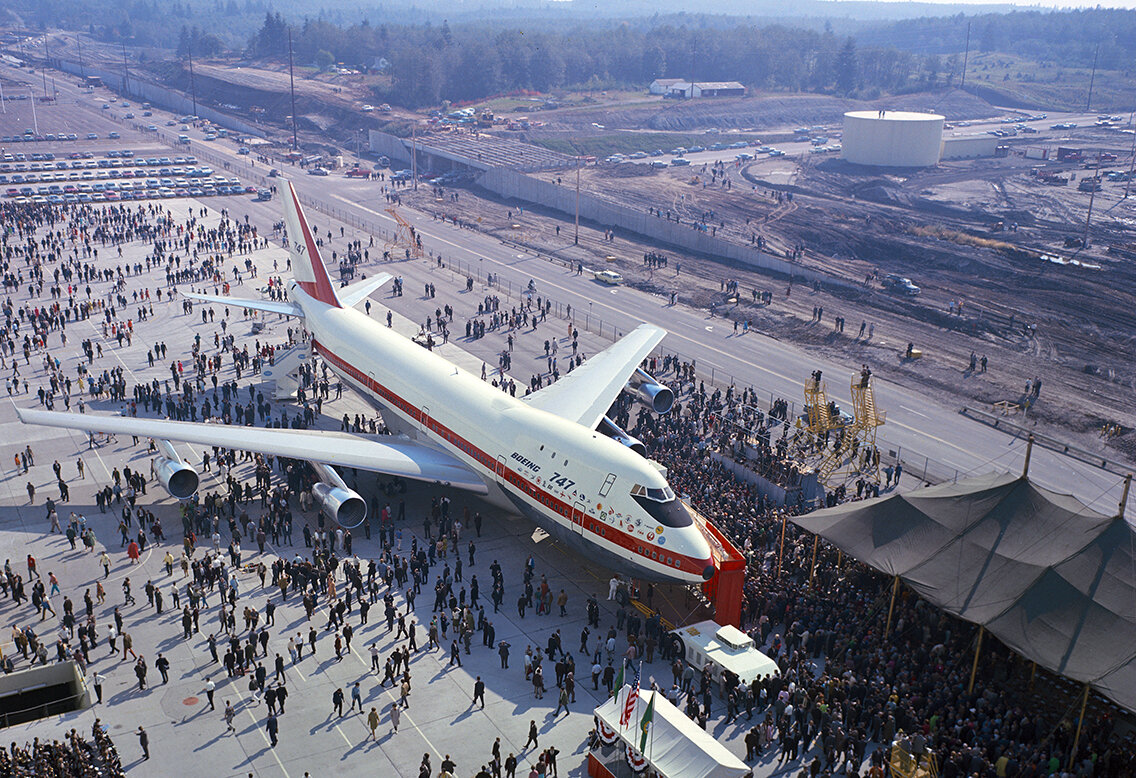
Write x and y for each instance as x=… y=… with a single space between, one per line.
x=361 y=290
x=585 y=394
x=268 y=306
x=375 y=453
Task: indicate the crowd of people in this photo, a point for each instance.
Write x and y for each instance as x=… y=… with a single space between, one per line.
x=869 y=688
x=73 y=757
x=846 y=684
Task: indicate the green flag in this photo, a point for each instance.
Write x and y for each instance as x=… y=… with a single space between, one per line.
x=618 y=683
x=645 y=724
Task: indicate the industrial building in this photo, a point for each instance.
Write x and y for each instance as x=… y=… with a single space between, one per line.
x=969 y=146
x=892 y=138
x=660 y=86
x=687 y=89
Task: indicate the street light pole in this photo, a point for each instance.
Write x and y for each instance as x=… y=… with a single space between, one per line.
x=192 y=84
x=292 y=85
x=47 y=63
x=576 y=241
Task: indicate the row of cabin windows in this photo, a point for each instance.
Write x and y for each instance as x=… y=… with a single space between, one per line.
x=653 y=553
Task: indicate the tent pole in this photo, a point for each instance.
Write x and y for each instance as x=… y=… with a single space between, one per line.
x=1080 y=723
x=1033 y=674
x=813 y=565
x=781 y=547
x=1029 y=453
x=977 y=653
x=891 y=607
x=1124 y=496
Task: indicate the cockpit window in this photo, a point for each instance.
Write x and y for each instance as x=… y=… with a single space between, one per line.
x=658 y=495
x=662 y=506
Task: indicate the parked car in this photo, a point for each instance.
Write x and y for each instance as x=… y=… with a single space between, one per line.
x=900 y=285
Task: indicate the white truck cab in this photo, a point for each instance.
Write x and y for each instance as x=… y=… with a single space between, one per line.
x=708 y=644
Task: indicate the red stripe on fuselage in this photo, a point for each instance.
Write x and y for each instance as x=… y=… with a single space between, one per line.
x=545 y=498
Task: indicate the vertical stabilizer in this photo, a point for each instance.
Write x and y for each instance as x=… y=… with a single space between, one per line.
x=307 y=264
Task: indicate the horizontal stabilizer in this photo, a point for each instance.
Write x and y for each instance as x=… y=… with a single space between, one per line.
x=360 y=291
x=268 y=306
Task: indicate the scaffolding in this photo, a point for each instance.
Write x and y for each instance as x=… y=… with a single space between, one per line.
x=867 y=419
x=405 y=238
x=854 y=451
x=816 y=406
x=904 y=764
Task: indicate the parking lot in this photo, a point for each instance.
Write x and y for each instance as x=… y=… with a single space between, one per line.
x=62 y=152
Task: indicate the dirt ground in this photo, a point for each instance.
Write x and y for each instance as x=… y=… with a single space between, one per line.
x=1072 y=326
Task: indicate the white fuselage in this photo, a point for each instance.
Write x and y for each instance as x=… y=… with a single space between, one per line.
x=572 y=481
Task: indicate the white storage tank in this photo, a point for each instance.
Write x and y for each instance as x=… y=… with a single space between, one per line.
x=892 y=138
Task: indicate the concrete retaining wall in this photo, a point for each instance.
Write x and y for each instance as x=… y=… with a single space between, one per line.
x=388 y=145
x=161 y=96
x=516 y=185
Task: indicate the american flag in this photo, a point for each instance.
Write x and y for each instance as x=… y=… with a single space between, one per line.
x=629 y=704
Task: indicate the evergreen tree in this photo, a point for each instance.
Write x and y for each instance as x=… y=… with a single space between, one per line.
x=846 y=72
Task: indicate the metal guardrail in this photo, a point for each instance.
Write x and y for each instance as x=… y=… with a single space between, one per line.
x=1051 y=443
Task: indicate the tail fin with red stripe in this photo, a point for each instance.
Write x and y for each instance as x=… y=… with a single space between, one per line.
x=307 y=264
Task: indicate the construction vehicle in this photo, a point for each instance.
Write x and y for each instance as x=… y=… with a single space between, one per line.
x=485 y=119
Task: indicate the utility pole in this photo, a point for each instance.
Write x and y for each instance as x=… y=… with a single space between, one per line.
x=125 y=71
x=414 y=154
x=192 y=85
x=1132 y=161
x=577 y=239
x=292 y=84
x=47 y=63
x=3 y=102
x=965 y=57
x=1092 y=196
x=693 y=59
x=82 y=67
x=1092 y=78
x=35 y=121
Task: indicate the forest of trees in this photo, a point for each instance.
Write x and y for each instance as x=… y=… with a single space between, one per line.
x=429 y=62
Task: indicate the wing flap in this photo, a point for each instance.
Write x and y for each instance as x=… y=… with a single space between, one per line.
x=585 y=394
x=375 y=453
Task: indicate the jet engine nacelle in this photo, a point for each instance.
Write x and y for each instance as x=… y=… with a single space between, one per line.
x=615 y=432
x=176 y=477
x=650 y=392
x=341 y=506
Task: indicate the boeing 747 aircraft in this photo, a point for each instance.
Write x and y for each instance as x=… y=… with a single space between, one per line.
x=552 y=456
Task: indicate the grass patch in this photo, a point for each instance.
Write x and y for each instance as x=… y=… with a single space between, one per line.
x=975 y=241
x=1005 y=79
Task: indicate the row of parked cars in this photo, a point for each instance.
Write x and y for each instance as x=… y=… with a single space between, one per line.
x=29 y=136
x=114 y=191
x=90 y=171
